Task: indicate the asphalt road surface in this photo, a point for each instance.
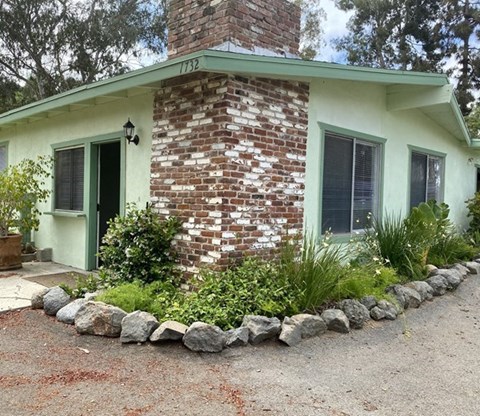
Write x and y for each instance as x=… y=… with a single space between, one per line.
x=425 y=363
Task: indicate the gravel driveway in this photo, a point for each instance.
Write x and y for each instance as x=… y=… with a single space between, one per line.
x=426 y=363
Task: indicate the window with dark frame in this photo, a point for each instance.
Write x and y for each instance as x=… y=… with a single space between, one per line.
x=3 y=157
x=425 y=178
x=350 y=195
x=69 y=178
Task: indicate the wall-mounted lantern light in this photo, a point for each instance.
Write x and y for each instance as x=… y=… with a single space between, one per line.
x=129 y=132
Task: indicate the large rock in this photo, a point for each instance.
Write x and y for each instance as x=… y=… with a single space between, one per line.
x=202 y=337
x=137 y=327
x=37 y=298
x=390 y=310
x=237 y=337
x=454 y=277
x=336 y=320
x=438 y=283
x=369 y=302
x=261 y=328
x=67 y=313
x=473 y=267
x=356 y=313
x=460 y=268
x=98 y=318
x=406 y=296
x=377 y=314
x=423 y=288
x=54 y=300
x=301 y=326
x=169 y=331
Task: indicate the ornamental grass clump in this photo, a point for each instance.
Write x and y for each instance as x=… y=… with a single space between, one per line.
x=313 y=269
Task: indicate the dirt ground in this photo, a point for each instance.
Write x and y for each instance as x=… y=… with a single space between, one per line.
x=426 y=363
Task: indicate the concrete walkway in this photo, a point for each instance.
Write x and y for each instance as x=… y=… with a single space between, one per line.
x=16 y=291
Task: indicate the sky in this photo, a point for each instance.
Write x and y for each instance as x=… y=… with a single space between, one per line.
x=335 y=26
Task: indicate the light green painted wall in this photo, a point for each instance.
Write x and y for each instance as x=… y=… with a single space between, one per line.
x=67 y=235
x=362 y=107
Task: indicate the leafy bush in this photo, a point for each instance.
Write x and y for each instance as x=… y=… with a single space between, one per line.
x=138 y=296
x=473 y=206
x=315 y=273
x=425 y=236
x=138 y=246
x=449 y=249
x=223 y=298
x=364 y=280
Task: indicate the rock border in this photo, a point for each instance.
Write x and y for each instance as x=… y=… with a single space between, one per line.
x=97 y=318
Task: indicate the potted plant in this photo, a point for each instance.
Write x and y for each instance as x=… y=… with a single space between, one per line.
x=22 y=186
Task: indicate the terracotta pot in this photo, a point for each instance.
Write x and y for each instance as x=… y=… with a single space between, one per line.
x=11 y=252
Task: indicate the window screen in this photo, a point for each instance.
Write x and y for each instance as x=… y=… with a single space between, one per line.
x=3 y=157
x=350 y=183
x=426 y=178
x=69 y=172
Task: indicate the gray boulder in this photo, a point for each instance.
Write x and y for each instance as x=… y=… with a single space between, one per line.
x=460 y=268
x=391 y=311
x=98 y=318
x=137 y=327
x=169 y=331
x=67 y=313
x=336 y=320
x=37 y=298
x=301 y=326
x=423 y=288
x=438 y=283
x=356 y=313
x=202 y=337
x=377 y=313
x=406 y=296
x=453 y=278
x=369 y=302
x=473 y=267
x=261 y=328
x=237 y=337
x=54 y=300
x=431 y=269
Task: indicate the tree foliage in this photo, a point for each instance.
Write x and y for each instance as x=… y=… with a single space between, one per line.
x=313 y=15
x=50 y=46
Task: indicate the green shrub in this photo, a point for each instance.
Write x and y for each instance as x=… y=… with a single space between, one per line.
x=223 y=298
x=450 y=248
x=314 y=273
x=138 y=246
x=138 y=296
x=365 y=280
x=473 y=206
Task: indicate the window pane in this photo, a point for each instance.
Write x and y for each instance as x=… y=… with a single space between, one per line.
x=434 y=178
x=69 y=174
x=365 y=185
x=337 y=184
x=418 y=179
x=3 y=157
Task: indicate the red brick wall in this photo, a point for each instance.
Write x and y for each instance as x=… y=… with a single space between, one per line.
x=203 y=24
x=229 y=160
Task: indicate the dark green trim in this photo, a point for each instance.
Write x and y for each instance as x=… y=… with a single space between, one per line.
x=428 y=152
x=324 y=127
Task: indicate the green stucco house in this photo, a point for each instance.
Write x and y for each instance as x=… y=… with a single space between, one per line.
x=243 y=141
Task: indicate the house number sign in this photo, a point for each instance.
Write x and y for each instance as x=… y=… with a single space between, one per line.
x=189 y=66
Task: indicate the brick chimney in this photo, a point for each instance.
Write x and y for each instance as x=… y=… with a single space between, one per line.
x=247 y=26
